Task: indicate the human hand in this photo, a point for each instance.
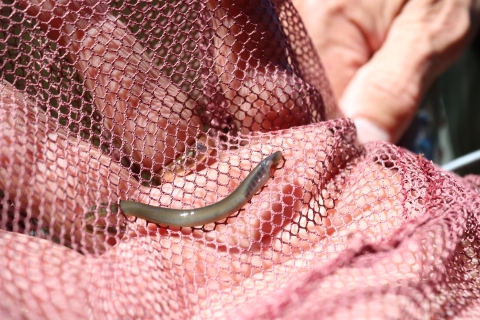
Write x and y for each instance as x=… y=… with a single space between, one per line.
x=146 y=268
x=382 y=56
x=149 y=270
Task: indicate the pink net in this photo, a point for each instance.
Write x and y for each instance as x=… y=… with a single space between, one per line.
x=173 y=103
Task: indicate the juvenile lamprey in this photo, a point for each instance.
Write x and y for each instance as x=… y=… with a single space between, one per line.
x=212 y=213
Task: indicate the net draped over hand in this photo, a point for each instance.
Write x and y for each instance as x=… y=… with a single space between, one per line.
x=173 y=103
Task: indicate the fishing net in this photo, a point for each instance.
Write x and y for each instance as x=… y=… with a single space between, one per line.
x=173 y=103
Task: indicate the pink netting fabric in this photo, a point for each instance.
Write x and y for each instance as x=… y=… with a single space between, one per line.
x=173 y=103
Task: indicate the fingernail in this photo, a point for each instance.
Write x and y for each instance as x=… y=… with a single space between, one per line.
x=369 y=131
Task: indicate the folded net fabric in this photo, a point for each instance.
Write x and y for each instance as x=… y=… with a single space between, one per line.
x=173 y=103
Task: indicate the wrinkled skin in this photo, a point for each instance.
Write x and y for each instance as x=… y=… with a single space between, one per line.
x=382 y=56
x=112 y=281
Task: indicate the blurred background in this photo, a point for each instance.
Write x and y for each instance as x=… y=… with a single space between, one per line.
x=447 y=124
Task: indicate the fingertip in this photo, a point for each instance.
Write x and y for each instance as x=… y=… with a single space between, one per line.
x=383 y=97
x=368 y=130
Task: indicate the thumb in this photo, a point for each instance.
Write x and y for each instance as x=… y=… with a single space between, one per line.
x=422 y=42
x=383 y=95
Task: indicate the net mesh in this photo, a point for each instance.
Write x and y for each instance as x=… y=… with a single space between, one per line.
x=173 y=103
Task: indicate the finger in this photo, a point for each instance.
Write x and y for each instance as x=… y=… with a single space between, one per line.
x=48 y=281
x=250 y=237
x=424 y=39
x=47 y=263
x=262 y=79
x=288 y=201
x=346 y=33
x=50 y=177
x=371 y=270
x=365 y=200
x=151 y=117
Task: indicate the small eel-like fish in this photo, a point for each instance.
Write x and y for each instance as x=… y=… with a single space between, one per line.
x=214 y=212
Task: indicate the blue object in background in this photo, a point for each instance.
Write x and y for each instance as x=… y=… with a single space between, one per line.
x=447 y=125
